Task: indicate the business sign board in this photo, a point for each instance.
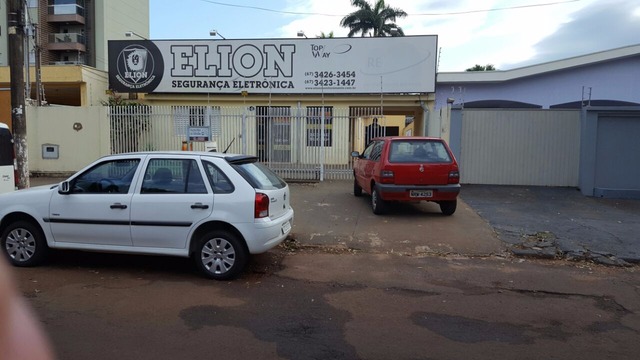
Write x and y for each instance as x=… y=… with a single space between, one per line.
x=404 y=64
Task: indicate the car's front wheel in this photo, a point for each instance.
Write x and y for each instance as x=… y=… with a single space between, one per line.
x=448 y=207
x=378 y=205
x=24 y=244
x=220 y=255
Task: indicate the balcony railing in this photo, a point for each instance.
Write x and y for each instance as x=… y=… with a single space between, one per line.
x=67 y=42
x=66 y=38
x=68 y=62
x=66 y=13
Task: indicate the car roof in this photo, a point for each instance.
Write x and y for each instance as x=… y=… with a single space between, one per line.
x=176 y=152
x=393 y=138
x=230 y=158
x=4 y=126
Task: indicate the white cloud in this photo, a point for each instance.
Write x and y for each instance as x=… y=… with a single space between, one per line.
x=466 y=35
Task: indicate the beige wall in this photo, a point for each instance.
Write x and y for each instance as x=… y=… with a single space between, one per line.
x=54 y=125
x=96 y=84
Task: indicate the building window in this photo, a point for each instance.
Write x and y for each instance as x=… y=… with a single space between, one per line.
x=197 y=116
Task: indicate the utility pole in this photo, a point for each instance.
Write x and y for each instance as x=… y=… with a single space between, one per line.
x=16 y=72
x=39 y=90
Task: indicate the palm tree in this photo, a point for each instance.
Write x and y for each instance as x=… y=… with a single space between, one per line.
x=380 y=18
x=477 y=67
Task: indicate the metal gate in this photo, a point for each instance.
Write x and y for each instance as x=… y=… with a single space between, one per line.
x=517 y=147
x=299 y=143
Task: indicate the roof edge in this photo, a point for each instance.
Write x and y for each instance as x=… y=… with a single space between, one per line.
x=506 y=75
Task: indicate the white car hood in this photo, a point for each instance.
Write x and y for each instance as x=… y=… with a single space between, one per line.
x=27 y=198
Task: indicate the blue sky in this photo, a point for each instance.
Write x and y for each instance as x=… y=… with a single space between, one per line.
x=505 y=33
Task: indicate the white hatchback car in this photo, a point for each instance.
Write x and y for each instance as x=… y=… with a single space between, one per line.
x=216 y=208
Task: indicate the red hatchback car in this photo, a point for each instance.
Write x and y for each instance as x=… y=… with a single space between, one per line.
x=409 y=169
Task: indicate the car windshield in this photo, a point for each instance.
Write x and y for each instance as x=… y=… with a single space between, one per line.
x=408 y=151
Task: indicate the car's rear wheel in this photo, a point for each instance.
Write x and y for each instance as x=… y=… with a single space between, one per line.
x=357 y=189
x=448 y=207
x=220 y=255
x=378 y=205
x=24 y=244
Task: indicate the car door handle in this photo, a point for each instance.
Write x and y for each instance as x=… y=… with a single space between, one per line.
x=199 y=206
x=118 y=206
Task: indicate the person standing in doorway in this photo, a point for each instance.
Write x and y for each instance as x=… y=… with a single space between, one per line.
x=372 y=131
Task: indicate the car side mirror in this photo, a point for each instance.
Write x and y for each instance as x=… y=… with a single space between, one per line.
x=64 y=187
x=355 y=154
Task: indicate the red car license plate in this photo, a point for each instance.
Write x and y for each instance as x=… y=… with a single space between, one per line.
x=421 y=193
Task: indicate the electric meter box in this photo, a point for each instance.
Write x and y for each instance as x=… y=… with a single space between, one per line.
x=50 y=151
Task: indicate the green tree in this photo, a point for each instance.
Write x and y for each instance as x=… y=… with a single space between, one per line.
x=379 y=18
x=488 y=67
x=325 y=36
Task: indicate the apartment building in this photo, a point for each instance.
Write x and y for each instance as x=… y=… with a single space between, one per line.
x=72 y=37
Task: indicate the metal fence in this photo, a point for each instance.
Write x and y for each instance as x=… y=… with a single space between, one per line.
x=298 y=143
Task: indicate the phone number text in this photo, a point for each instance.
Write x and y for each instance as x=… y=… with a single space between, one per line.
x=331 y=82
x=331 y=74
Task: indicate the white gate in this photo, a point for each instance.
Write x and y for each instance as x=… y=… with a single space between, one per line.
x=298 y=143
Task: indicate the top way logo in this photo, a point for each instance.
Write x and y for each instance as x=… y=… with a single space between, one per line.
x=136 y=66
x=322 y=51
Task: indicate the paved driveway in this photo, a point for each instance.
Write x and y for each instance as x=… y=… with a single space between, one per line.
x=328 y=214
x=552 y=221
x=547 y=222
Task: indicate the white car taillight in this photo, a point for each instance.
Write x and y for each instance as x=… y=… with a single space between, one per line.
x=261 y=207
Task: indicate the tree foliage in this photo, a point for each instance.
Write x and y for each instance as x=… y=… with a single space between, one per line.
x=325 y=36
x=115 y=99
x=378 y=18
x=477 y=67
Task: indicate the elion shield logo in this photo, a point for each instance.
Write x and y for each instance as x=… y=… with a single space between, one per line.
x=136 y=67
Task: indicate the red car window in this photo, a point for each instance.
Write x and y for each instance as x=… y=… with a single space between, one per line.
x=409 y=151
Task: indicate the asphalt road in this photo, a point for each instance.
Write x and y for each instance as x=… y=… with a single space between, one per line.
x=317 y=304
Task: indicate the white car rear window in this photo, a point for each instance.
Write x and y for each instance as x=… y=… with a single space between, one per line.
x=260 y=176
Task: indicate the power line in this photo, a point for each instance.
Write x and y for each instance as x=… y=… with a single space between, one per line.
x=418 y=14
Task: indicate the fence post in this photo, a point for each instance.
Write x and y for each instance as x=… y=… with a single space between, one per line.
x=244 y=130
x=322 y=144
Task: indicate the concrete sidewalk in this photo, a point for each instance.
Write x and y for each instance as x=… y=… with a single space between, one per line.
x=329 y=214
